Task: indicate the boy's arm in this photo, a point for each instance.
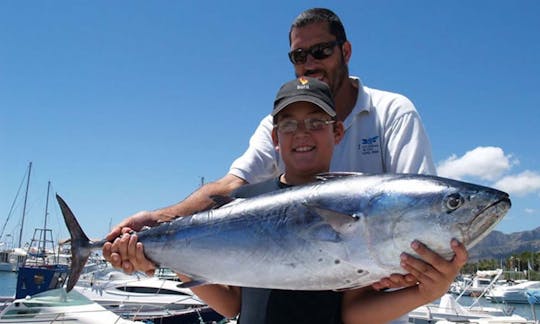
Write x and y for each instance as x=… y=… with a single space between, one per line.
x=225 y=300
x=435 y=274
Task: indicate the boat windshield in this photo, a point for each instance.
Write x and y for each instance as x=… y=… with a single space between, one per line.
x=56 y=297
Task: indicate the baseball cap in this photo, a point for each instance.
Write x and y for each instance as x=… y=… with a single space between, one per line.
x=305 y=89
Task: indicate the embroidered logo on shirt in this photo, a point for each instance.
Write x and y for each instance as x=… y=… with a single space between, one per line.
x=369 y=145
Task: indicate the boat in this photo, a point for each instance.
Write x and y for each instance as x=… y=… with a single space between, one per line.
x=449 y=309
x=57 y=306
x=490 y=320
x=136 y=294
x=513 y=294
x=476 y=286
x=13 y=257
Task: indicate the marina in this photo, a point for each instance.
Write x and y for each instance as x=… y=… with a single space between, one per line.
x=8 y=280
x=37 y=291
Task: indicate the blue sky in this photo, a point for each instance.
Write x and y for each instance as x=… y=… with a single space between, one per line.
x=126 y=105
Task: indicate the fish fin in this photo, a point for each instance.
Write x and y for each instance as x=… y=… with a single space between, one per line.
x=335 y=175
x=193 y=283
x=338 y=221
x=80 y=244
x=220 y=200
x=323 y=232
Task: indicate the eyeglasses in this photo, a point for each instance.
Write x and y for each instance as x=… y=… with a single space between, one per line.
x=289 y=126
x=318 y=51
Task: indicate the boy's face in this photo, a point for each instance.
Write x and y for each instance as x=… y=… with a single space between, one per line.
x=306 y=152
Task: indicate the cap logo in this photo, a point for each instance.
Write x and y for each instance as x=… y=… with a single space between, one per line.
x=303 y=83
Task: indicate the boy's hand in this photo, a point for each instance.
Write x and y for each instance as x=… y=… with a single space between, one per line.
x=395 y=281
x=128 y=254
x=122 y=252
x=434 y=273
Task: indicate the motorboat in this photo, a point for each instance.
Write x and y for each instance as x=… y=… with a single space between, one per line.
x=11 y=259
x=477 y=285
x=144 y=296
x=449 y=309
x=57 y=306
x=490 y=320
x=515 y=294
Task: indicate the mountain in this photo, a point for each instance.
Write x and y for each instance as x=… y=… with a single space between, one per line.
x=498 y=245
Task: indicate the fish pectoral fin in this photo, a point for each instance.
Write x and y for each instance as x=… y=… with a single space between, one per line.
x=193 y=283
x=340 y=222
x=323 y=232
x=334 y=175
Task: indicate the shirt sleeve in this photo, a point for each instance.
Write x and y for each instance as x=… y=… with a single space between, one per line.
x=260 y=161
x=408 y=149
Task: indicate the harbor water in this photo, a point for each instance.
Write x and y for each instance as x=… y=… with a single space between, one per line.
x=8 y=282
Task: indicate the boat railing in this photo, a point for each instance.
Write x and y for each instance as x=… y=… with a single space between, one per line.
x=486 y=289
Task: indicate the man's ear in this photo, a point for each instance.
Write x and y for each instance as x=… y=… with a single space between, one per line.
x=339 y=131
x=275 y=139
x=346 y=49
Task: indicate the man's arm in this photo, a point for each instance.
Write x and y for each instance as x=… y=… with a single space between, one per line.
x=121 y=254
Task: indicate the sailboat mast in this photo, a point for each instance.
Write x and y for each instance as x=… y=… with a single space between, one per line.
x=24 y=205
x=44 y=232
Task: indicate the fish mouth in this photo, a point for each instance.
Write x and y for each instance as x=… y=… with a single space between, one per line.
x=486 y=219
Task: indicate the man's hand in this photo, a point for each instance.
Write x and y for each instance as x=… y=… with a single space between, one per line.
x=125 y=252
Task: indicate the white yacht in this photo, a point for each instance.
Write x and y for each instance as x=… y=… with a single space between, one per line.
x=57 y=306
x=515 y=294
x=136 y=294
x=449 y=310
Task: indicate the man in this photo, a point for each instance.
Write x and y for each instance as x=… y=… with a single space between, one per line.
x=383 y=133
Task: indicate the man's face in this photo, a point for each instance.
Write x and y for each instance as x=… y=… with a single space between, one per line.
x=332 y=69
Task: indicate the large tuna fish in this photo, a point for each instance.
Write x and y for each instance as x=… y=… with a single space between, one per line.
x=345 y=231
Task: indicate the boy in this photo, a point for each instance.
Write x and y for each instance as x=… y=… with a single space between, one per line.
x=305 y=133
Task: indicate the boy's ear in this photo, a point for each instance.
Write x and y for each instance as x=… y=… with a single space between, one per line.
x=339 y=131
x=275 y=138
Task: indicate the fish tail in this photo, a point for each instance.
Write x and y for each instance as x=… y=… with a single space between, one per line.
x=80 y=244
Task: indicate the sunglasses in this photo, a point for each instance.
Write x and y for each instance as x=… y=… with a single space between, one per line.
x=318 y=51
x=289 y=126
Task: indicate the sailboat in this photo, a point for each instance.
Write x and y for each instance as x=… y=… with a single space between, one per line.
x=42 y=269
x=12 y=257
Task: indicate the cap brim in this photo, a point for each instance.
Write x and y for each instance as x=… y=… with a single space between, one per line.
x=323 y=105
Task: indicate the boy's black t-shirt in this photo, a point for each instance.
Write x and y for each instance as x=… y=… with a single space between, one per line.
x=274 y=306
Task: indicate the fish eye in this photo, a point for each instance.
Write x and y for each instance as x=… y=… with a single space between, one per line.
x=454 y=201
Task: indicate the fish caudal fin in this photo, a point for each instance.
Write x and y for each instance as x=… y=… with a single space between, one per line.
x=80 y=244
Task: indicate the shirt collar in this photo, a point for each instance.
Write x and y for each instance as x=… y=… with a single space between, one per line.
x=363 y=103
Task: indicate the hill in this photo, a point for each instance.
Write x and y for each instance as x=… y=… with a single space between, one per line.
x=498 y=245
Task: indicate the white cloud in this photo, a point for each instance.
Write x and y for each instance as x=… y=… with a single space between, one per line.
x=529 y=211
x=485 y=162
x=520 y=184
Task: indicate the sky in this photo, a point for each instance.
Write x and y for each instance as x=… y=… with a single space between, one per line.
x=130 y=105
